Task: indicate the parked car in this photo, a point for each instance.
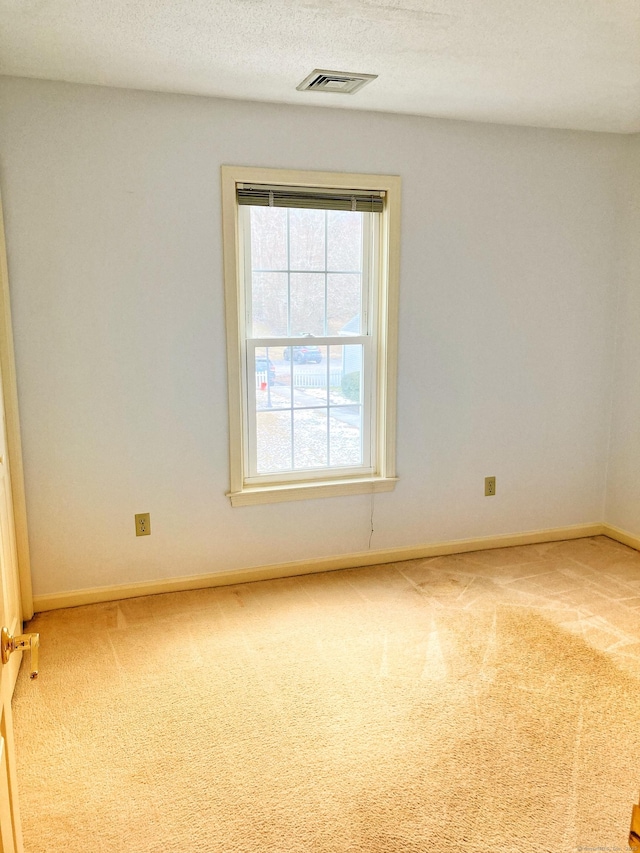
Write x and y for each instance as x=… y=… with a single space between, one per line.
x=261 y=367
x=305 y=354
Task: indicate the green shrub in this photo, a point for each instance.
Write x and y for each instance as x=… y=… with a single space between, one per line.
x=351 y=386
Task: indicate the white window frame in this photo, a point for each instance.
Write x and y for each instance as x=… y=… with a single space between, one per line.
x=381 y=420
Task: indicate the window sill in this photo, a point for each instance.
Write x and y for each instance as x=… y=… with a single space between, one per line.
x=307 y=491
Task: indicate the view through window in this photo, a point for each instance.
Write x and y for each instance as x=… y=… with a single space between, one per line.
x=309 y=280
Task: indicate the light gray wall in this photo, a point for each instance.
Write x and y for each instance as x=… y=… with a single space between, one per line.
x=508 y=279
x=623 y=484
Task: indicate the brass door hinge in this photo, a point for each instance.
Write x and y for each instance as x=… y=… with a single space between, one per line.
x=9 y=644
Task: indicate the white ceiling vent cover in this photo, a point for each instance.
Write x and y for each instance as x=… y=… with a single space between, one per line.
x=336 y=82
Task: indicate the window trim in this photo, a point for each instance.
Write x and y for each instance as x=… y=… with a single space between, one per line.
x=242 y=493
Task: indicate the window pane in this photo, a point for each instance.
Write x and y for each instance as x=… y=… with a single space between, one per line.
x=310 y=438
x=307 y=239
x=347 y=362
x=267 y=379
x=307 y=303
x=345 y=434
x=273 y=442
x=344 y=303
x=269 y=303
x=309 y=374
x=345 y=414
x=335 y=376
x=344 y=241
x=268 y=238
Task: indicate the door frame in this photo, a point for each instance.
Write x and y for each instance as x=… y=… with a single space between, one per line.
x=14 y=441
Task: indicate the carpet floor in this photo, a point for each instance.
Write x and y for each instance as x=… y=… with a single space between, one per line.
x=482 y=702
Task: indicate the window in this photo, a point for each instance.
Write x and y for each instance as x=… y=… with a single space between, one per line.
x=311 y=274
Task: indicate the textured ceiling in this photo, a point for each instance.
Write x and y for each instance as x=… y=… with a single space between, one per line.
x=548 y=63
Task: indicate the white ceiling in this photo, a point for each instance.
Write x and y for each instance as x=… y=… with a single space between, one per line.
x=549 y=63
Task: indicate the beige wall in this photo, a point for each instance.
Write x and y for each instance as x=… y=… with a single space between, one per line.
x=508 y=280
x=623 y=482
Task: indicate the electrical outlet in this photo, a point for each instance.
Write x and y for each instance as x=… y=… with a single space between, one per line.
x=489 y=486
x=143 y=524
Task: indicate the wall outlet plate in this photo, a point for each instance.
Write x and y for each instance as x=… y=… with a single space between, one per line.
x=143 y=524
x=489 y=486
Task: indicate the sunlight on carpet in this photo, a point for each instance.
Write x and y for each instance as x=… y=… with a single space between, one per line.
x=366 y=710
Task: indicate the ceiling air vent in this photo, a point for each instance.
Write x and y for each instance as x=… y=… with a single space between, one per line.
x=337 y=82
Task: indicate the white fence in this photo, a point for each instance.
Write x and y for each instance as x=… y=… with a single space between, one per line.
x=317 y=380
x=301 y=379
x=261 y=379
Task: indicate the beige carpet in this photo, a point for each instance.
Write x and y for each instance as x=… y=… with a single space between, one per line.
x=454 y=704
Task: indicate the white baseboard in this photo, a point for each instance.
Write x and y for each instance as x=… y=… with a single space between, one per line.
x=620 y=535
x=322 y=564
